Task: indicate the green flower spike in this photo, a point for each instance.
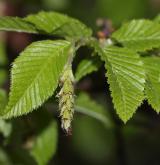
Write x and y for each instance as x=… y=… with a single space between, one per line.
x=66 y=98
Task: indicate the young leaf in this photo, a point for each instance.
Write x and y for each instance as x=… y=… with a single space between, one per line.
x=139 y=35
x=126 y=76
x=51 y=23
x=45 y=144
x=35 y=74
x=84 y=104
x=16 y=24
x=152 y=88
x=58 y=24
x=87 y=66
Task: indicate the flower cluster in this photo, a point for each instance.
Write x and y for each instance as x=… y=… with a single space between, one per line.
x=66 y=98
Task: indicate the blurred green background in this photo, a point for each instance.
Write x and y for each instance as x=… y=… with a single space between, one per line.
x=92 y=143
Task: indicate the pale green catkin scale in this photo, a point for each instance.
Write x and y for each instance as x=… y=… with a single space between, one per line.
x=66 y=98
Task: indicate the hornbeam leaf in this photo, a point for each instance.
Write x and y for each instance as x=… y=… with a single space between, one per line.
x=35 y=75
x=126 y=76
x=59 y=24
x=152 y=88
x=45 y=144
x=16 y=24
x=87 y=66
x=51 y=23
x=139 y=35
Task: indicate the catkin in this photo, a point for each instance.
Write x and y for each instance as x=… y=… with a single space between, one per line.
x=66 y=98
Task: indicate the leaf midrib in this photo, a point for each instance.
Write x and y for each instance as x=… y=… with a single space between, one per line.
x=120 y=86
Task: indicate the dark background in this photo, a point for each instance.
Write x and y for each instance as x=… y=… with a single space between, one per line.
x=137 y=142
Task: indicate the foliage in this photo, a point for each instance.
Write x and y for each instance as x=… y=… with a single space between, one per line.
x=126 y=77
x=139 y=35
x=30 y=73
x=45 y=66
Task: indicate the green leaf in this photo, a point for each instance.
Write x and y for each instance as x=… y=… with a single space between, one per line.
x=58 y=24
x=45 y=144
x=51 y=23
x=126 y=76
x=152 y=88
x=87 y=66
x=35 y=75
x=139 y=35
x=84 y=104
x=16 y=24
